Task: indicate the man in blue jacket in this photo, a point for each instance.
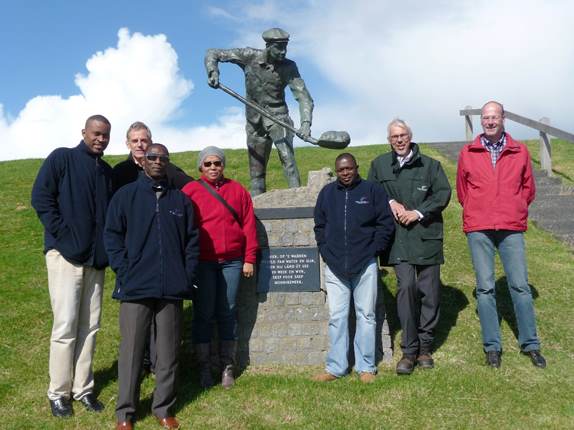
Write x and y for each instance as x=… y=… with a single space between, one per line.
x=138 y=139
x=153 y=247
x=353 y=224
x=70 y=196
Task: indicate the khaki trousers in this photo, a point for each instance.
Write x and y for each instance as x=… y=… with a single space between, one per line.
x=76 y=298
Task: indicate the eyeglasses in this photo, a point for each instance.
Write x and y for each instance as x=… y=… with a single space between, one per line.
x=396 y=137
x=154 y=157
x=215 y=163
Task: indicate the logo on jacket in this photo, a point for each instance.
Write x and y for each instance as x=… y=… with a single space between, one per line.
x=362 y=201
x=176 y=212
x=423 y=188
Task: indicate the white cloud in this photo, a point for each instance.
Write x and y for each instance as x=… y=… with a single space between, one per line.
x=139 y=79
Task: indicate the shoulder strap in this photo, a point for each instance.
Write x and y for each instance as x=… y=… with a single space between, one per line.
x=220 y=199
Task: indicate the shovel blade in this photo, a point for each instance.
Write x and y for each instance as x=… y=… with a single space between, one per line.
x=334 y=140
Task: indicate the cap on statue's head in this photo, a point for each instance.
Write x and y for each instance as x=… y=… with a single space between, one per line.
x=275 y=35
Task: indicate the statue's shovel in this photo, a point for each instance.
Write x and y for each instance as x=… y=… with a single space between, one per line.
x=329 y=139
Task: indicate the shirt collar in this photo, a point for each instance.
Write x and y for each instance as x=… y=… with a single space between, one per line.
x=406 y=158
x=497 y=145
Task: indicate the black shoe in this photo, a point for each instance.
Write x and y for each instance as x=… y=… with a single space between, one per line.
x=406 y=365
x=493 y=359
x=91 y=403
x=61 y=408
x=536 y=358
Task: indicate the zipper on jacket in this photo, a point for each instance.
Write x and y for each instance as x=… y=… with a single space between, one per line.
x=345 y=232
x=157 y=196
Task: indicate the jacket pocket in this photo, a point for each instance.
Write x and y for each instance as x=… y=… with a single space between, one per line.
x=131 y=269
x=68 y=244
x=431 y=232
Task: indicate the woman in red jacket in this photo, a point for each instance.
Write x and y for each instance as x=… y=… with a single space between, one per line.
x=228 y=247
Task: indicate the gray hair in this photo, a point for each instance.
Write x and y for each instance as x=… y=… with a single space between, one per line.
x=138 y=125
x=397 y=122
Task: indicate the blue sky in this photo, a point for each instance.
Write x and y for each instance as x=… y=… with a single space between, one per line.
x=364 y=63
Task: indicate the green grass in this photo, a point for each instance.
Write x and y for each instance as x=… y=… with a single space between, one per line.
x=461 y=392
x=562 y=158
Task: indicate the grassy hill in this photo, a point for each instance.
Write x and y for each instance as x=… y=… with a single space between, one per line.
x=461 y=392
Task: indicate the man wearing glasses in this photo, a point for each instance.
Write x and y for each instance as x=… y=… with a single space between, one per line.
x=152 y=245
x=419 y=191
x=495 y=185
x=138 y=139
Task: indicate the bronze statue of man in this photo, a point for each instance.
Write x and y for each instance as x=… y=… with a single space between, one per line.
x=267 y=73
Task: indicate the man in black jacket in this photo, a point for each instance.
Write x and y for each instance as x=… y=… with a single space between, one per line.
x=71 y=195
x=353 y=224
x=152 y=243
x=138 y=139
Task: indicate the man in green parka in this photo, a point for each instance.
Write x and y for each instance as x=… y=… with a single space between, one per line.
x=418 y=191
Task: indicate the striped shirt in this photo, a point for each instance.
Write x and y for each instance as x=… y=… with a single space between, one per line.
x=494 y=148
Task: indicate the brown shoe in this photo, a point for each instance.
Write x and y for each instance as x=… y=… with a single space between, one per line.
x=425 y=361
x=168 y=423
x=124 y=425
x=324 y=377
x=367 y=378
x=406 y=365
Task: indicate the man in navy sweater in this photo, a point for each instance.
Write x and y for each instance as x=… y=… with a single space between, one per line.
x=153 y=246
x=70 y=196
x=353 y=224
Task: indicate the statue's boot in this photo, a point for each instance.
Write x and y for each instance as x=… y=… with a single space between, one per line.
x=257 y=186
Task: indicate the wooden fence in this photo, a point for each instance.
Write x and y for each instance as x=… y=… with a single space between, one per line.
x=543 y=126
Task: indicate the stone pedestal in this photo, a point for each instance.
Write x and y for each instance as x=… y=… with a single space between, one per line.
x=291 y=327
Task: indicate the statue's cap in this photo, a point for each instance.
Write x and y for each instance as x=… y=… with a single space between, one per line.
x=275 y=35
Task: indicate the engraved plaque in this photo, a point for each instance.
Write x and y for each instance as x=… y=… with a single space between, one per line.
x=289 y=269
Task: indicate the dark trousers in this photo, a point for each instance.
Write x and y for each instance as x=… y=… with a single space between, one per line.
x=149 y=351
x=135 y=321
x=418 y=298
x=215 y=299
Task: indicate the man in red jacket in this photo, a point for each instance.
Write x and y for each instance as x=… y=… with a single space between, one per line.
x=495 y=185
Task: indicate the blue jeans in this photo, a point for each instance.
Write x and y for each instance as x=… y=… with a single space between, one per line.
x=510 y=245
x=363 y=287
x=217 y=289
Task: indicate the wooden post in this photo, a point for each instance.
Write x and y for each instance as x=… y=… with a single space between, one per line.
x=545 y=150
x=468 y=126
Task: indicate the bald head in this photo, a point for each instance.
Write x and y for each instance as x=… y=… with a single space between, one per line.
x=492 y=120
